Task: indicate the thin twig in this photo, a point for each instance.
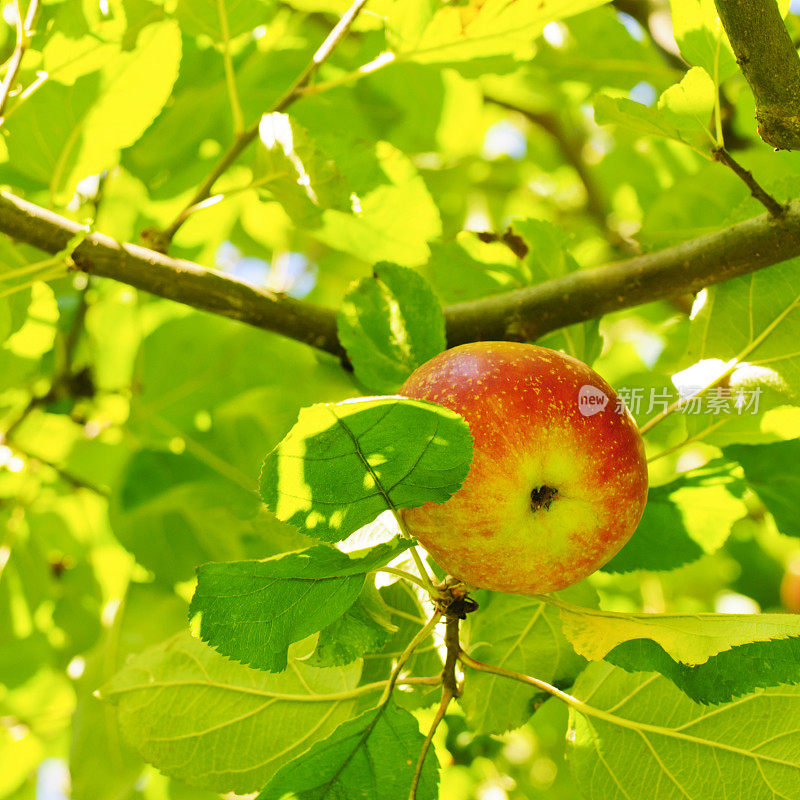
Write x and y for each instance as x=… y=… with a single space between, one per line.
x=422 y=634
x=450 y=687
x=65 y=474
x=163 y=238
x=24 y=33
x=447 y=696
x=767 y=200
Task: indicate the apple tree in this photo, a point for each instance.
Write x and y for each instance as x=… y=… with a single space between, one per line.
x=233 y=233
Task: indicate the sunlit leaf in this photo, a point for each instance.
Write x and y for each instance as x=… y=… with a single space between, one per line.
x=217 y=724
x=344 y=463
x=679 y=749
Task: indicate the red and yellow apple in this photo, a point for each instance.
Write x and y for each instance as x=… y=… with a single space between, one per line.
x=558 y=481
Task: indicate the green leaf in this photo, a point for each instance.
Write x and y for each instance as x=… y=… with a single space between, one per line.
x=688 y=638
x=5 y=318
x=682 y=520
x=390 y=324
x=522 y=634
x=548 y=257
x=204 y=17
x=683 y=112
x=393 y=215
x=724 y=676
x=364 y=628
x=344 y=463
x=478 y=28
x=773 y=472
x=701 y=37
x=296 y=172
x=460 y=271
x=599 y=37
x=216 y=724
x=87 y=124
x=173 y=513
x=633 y=116
x=636 y=737
x=372 y=756
x=754 y=319
x=253 y=610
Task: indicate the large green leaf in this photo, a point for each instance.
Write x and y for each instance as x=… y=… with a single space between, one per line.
x=701 y=37
x=364 y=628
x=216 y=724
x=174 y=513
x=344 y=463
x=724 y=676
x=393 y=215
x=683 y=112
x=371 y=757
x=390 y=323
x=522 y=634
x=253 y=610
x=636 y=737
x=688 y=638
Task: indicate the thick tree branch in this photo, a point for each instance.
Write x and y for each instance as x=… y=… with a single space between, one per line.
x=528 y=313
x=174 y=279
x=524 y=314
x=769 y=63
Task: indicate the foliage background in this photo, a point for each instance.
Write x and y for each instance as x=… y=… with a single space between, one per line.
x=136 y=428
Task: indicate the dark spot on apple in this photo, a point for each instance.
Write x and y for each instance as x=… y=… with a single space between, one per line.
x=543 y=497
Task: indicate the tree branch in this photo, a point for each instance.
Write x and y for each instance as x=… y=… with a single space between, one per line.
x=527 y=314
x=769 y=63
x=523 y=314
x=175 y=279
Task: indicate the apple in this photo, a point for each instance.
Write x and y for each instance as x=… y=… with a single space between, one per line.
x=558 y=481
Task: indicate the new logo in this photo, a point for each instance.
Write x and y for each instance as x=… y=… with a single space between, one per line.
x=591 y=400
